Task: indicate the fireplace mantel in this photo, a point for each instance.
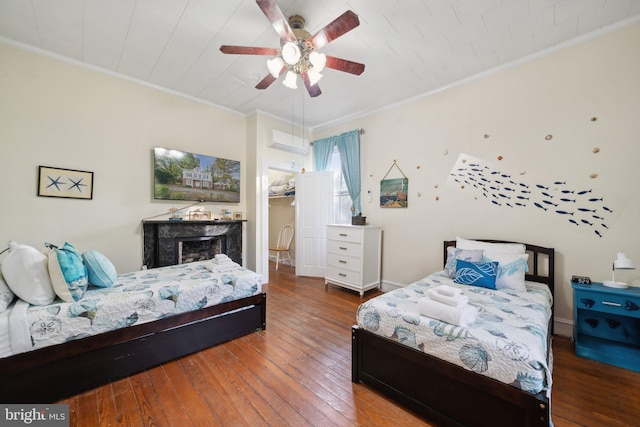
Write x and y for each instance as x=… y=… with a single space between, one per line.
x=161 y=238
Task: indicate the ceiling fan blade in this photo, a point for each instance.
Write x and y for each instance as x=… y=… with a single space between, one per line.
x=314 y=90
x=268 y=79
x=344 y=65
x=336 y=28
x=273 y=13
x=266 y=82
x=246 y=50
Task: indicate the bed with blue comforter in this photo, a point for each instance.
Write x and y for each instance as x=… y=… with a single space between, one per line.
x=493 y=371
x=146 y=318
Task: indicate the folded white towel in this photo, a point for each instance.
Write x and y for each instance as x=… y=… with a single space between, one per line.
x=221 y=256
x=461 y=316
x=449 y=291
x=458 y=301
x=219 y=267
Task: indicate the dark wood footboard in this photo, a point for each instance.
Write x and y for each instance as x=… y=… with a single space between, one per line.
x=445 y=393
x=53 y=373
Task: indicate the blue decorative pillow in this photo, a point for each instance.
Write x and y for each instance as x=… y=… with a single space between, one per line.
x=481 y=274
x=68 y=273
x=102 y=273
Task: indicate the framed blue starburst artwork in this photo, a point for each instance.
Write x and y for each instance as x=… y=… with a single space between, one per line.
x=66 y=183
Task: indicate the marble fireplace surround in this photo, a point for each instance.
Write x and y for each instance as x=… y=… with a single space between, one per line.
x=162 y=238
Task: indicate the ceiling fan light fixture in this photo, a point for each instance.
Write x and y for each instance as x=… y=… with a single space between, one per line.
x=318 y=60
x=290 y=80
x=291 y=53
x=275 y=65
x=314 y=76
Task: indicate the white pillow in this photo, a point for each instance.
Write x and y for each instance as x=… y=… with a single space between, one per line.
x=26 y=271
x=511 y=270
x=454 y=254
x=502 y=248
x=6 y=296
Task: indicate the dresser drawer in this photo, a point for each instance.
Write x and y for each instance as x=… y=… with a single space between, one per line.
x=342 y=274
x=344 y=262
x=345 y=234
x=624 y=305
x=344 y=248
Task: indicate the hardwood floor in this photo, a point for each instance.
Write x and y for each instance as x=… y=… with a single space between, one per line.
x=298 y=372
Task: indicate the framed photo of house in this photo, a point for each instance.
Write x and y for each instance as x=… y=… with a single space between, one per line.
x=65 y=183
x=180 y=175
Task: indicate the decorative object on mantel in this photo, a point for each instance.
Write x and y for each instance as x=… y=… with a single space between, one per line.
x=620 y=263
x=65 y=183
x=298 y=49
x=393 y=191
x=199 y=214
x=237 y=216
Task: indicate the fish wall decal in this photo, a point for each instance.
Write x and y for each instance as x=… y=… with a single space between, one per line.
x=579 y=207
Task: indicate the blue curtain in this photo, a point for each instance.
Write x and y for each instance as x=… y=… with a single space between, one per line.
x=349 y=148
x=322 y=150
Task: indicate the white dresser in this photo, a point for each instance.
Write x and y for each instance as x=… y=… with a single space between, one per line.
x=353 y=256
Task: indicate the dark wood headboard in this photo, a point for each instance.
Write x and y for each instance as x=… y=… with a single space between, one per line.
x=537 y=256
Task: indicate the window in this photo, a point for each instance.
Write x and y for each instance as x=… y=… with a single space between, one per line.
x=341 y=198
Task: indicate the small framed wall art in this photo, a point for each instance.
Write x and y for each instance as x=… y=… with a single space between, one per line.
x=65 y=183
x=237 y=216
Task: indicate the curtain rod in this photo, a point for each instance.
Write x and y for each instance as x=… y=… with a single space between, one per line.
x=360 y=131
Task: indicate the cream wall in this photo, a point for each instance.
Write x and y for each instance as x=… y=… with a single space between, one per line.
x=555 y=95
x=57 y=114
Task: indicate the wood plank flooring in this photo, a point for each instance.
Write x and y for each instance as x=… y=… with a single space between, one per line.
x=298 y=372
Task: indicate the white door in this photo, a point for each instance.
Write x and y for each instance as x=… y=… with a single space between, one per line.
x=314 y=210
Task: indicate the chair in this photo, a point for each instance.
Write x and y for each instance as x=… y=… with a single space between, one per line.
x=284 y=242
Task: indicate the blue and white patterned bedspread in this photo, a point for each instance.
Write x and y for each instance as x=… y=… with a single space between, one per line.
x=135 y=298
x=507 y=342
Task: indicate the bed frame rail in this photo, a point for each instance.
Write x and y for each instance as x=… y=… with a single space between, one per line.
x=439 y=390
x=445 y=393
x=52 y=373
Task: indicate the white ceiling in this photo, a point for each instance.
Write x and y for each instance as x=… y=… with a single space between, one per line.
x=409 y=47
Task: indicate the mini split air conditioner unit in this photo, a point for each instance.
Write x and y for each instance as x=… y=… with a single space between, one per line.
x=287 y=142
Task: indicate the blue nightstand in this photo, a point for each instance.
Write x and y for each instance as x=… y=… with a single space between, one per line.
x=607 y=324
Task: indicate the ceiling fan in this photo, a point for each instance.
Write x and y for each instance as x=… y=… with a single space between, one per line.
x=298 y=53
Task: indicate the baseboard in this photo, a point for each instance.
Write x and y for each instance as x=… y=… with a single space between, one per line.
x=386 y=286
x=272 y=258
x=563 y=327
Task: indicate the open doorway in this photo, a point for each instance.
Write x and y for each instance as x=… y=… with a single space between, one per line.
x=282 y=213
x=283 y=210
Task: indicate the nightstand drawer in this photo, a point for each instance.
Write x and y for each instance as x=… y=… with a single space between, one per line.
x=344 y=262
x=608 y=303
x=344 y=248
